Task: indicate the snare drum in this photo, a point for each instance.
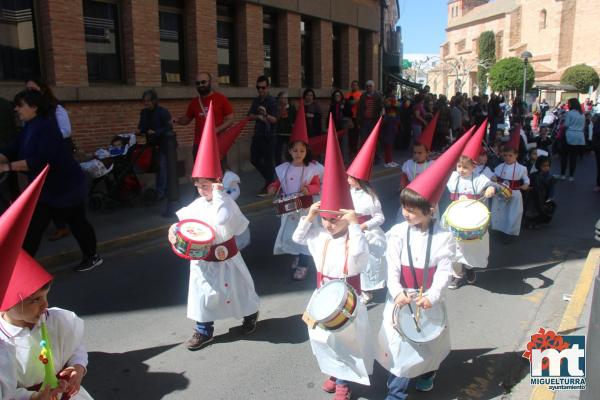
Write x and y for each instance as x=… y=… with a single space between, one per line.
x=333 y=305
x=193 y=239
x=431 y=322
x=467 y=219
x=293 y=202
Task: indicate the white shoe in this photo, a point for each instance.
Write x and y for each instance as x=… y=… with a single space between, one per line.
x=571 y=179
x=561 y=177
x=394 y=164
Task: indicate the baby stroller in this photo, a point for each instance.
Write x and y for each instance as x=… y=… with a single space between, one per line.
x=114 y=172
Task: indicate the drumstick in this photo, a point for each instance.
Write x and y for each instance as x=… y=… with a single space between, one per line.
x=419 y=308
x=412 y=313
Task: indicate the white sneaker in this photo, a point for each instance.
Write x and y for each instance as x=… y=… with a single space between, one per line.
x=561 y=177
x=571 y=179
x=394 y=164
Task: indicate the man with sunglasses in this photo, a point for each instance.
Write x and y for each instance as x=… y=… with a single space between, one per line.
x=198 y=109
x=263 y=112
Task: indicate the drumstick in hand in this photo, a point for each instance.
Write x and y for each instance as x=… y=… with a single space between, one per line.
x=412 y=313
x=419 y=308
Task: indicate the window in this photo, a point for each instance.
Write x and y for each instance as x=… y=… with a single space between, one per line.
x=18 y=44
x=270 y=46
x=305 y=53
x=337 y=56
x=460 y=45
x=172 y=62
x=543 y=15
x=225 y=44
x=102 y=40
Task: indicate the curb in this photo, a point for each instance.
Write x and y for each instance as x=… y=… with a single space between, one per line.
x=53 y=262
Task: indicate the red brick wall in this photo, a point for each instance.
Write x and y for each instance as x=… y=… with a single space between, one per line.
x=64 y=59
x=141 y=42
x=249 y=36
x=201 y=37
x=288 y=49
x=349 y=44
x=322 y=53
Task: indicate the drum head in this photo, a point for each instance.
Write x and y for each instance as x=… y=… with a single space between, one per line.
x=195 y=231
x=432 y=323
x=327 y=300
x=467 y=214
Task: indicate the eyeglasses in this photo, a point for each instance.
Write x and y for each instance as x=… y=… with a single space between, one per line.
x=260 y=87
x=199 y=83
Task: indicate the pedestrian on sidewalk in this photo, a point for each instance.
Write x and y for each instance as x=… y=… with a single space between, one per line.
x=390 y=128
x=198 y=107
x=313 y=113
x=352 y=99
x=370 y=108
x=286 y=115
x=340 y=112
x=39 y=143
x=573 y=139
x=263 y=111
x=220 y=284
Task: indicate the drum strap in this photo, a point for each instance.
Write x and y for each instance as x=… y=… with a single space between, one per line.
x=472 y=186
x=427 y=257
x=285 y=179
x=345 y=272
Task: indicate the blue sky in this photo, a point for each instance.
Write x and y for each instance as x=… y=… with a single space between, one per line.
x=423 y=25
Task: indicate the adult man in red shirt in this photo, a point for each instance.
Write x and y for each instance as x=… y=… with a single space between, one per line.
x=198 y=108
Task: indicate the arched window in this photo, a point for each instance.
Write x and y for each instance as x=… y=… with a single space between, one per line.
x=542 y=19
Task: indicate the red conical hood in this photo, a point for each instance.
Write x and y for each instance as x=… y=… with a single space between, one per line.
x=431 y=183
x=13 y=228
x=363 y=162
x=335 y=194
x=299 y=132
x=427 y=135
x=515 y=138
x=473 y=147
x=207 y=163
x=24 y=279
x=227 y=138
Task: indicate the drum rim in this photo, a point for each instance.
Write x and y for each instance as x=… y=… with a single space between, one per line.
x=398 y=327
x=211 y=230
x=486 y=223
x=338 y=308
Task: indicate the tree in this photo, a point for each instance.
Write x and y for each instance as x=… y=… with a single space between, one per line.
x=507 y=74
x=581 y=76
x=487 y=51
x=461 y=68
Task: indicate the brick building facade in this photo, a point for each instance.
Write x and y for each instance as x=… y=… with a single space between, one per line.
x=100 y=55
x=559 y=34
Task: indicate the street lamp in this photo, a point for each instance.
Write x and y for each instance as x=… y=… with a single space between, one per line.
x=525 y=56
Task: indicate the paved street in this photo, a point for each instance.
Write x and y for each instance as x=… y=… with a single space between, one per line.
x=134 y=309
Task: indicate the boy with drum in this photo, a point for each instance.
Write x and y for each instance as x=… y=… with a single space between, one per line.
x=26 y=322
x=419 y=257
x=220 y=284
x=464 y=184
x=340 y=251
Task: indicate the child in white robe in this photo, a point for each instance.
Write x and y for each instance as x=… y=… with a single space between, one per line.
x=220 y=285
x=340 y=251
x=507 y=214
x=299 y=175
x=464 y=183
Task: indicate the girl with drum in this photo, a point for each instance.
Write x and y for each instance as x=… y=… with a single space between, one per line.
x=297 y=182
x=340 y=250
x=469 y=219
x=507 y=214
x=370 y=216
x=414 y=336
x=220 y=284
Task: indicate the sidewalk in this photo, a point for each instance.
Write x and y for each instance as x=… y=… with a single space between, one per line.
x=131 y=224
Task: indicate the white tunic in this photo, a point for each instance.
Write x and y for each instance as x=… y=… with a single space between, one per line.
x=292 y=179
x=399 y=356
x=231 y=185
x=23 y=369
x=225 y=289
x=473 y=253
x=484 y=170
x=347 y=353
x=506 y=215
x=375 y=273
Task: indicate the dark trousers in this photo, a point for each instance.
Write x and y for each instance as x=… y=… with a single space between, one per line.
x=353 y=140
x=281 y=148
x=262 y=152
x=74 y=217
x=597 y=154
x=568 y=155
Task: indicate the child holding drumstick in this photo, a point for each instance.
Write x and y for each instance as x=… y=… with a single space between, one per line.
x=220 y=284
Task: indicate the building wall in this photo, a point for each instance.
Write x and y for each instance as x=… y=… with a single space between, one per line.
x=98 y=111
x=564 y=40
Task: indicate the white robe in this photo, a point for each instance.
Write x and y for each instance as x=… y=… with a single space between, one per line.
x=292 y=179
x=396 y=354
x=231 y=185
x=506 y=215
x=473 y=253
x=22 y=368
x=375 y=273
x=225 y=289
x=347 y=353
x=484 y=170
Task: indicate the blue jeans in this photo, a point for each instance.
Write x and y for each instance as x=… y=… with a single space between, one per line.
x=205 y=328
x=397 y=387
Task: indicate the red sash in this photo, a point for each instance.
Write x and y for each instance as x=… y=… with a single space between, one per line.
x=222 y=251
x=407 y=281
x=455 y=196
